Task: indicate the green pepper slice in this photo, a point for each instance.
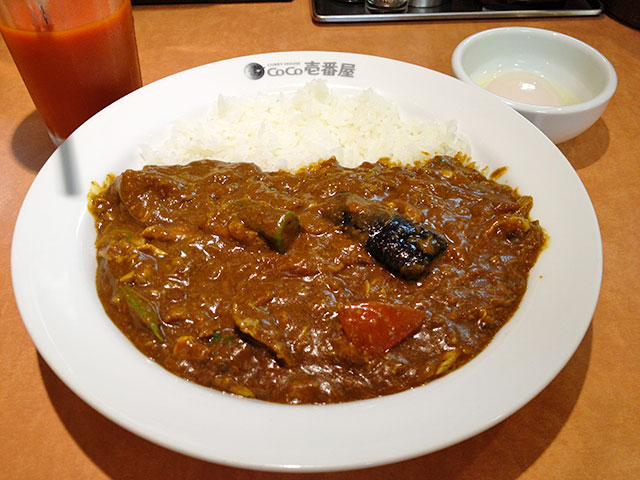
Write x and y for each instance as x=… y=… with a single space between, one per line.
x=277 y=227
x=143 y=309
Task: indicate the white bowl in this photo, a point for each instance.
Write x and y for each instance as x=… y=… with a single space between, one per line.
x=567 y=72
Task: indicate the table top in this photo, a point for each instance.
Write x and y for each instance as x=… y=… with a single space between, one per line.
x=584 y=425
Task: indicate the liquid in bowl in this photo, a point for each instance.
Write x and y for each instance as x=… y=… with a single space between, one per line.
x=526 y=87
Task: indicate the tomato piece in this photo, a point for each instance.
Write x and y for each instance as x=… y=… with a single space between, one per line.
x=376 y=327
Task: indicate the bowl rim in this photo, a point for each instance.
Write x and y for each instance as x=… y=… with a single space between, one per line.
x=598 y=100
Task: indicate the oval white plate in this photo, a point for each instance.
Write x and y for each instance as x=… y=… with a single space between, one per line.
x=53 y=268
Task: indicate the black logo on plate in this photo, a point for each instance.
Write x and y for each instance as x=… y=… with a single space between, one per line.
x=254 y=71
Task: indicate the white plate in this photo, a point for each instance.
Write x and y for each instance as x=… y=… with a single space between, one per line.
x=53 y=268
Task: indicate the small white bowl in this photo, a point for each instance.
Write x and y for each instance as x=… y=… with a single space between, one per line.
x=572 y=80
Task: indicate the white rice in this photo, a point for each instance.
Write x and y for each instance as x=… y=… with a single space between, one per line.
x=291 y=130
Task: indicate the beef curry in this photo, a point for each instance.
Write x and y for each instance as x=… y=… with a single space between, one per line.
x=325 y=285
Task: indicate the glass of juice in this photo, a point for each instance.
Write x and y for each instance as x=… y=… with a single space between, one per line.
x=75 y=56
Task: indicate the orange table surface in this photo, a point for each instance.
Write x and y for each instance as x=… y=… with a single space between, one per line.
x=584 y=425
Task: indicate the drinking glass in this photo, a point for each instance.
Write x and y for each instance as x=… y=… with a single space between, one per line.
x=75 y=56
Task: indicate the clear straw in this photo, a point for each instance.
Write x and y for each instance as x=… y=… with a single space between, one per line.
x=38 y=9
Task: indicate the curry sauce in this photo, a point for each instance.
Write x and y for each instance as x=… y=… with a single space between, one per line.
x=256 y=283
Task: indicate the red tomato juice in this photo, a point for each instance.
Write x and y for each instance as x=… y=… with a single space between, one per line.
x=73 y=66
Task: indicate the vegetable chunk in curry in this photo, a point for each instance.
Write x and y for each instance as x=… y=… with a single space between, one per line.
x=325 y=285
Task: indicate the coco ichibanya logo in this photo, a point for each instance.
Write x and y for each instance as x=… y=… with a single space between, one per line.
x=255 y=71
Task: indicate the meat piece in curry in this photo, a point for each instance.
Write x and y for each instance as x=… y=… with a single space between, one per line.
x=325 y=285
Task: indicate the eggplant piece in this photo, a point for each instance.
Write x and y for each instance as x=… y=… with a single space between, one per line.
x=403 y=247
x=266 y=330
